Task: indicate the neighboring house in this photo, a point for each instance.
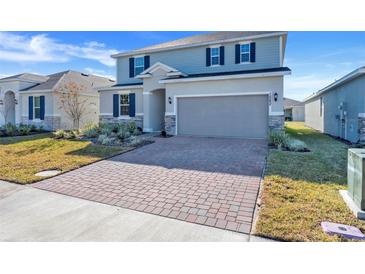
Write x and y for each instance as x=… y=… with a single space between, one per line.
x=339 y=109
x=34 y=99
x=293 y=110
x=227 y=84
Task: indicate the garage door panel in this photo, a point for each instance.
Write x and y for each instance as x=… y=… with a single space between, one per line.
x=223 y=116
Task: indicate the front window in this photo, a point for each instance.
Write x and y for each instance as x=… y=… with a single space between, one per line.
x=245 y=53
x=214 y=56
x=124 y=105
x=37 y=107
x=138 y=65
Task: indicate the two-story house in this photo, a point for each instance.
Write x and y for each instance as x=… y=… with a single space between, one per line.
x=222 y=84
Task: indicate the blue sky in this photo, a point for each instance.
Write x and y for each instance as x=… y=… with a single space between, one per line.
x=316 y=58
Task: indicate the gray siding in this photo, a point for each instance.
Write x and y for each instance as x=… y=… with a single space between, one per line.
x=193 y=60
x=352 y=94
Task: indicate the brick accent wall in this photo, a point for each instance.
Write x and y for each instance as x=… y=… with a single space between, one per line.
x=276 y=122
x=115 y=120
x=50 y=123
x=170 y=124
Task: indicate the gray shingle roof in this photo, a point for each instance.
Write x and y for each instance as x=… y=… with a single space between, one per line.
x=89 y=81
x=201 y=38
x=27 y=76
x=289 y=103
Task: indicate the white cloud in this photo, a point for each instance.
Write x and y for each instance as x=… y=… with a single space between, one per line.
x=300 y=87
x=41 y=48
x=99 y=72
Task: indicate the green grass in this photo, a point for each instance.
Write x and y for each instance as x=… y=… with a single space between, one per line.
x=22 y=157
x=301 y=189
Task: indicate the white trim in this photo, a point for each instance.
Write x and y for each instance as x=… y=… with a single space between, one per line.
x=120 y=88
x=226 y=77
x=248 y=38
x=147 y=93
x=169 y=113
x=139 y=114
x=105 y=114
x=22 y=80
x=170 y=71
x=276 y=113
x=281 y=51
x=123 y=117
x=35 y=91
x=147 y=129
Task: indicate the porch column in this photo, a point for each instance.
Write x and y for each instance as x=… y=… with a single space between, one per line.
x=17 y=109
x=147 y=123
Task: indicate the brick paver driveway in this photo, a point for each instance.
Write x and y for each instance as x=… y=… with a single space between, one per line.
x=208 y=181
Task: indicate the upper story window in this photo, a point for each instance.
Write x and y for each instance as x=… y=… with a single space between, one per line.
x=214 y=56
x=245 y=53
x=124 y=105
x=37 y=107
x=138 y=65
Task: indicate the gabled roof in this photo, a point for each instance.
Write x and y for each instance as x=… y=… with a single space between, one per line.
x=348 y=77
x=31 y=77
x=170 y=71
x=89 y=81
x=289 y=103
x=203 y=39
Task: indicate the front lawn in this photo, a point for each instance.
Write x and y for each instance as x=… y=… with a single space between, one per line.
x=22 y=157
x=301 y=189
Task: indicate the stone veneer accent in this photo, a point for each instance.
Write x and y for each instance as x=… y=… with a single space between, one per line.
x=116 y=120
x=276 y=122
x=361 y=127
x=50 y=123
x=170 y=124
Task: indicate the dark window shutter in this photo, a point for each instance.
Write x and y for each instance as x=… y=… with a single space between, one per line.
x=132 y=104
x=30 y=107
x=42 y=110
x=237 y=53
x=208 y=57
x=253 y=52
x=115 y=105
x=221 y=55
x=131 y=67
x=146 y=62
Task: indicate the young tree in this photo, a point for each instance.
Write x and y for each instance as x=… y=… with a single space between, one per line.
x=73 y=102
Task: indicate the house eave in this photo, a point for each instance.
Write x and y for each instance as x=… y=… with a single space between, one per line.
x=226 y=77
x=352 y=75
x=120 y=87
x=135 y=52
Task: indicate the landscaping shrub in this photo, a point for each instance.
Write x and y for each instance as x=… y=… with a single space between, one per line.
x=278 y=138
x=59 y=134
x=105 y=140
x=90 y=130
x=297 y=145
x=10 y=129
x=24 y=129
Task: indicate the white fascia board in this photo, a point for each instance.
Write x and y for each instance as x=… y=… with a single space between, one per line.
x=131 y=53
x=348 y=77
x=20 y=80
x=226 y=77
x=121 y=88
x=35 y=91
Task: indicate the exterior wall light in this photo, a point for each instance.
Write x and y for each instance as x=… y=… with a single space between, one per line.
x=276 y=96
x=16 y=101
x=170 y=100
x=1 y=102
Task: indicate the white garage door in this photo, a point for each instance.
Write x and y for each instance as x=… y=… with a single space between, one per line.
x=244 y=116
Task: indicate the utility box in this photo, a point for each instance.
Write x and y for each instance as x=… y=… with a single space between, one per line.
x=356 y=176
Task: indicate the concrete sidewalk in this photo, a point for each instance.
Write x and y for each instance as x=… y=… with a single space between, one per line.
x=29 y=214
